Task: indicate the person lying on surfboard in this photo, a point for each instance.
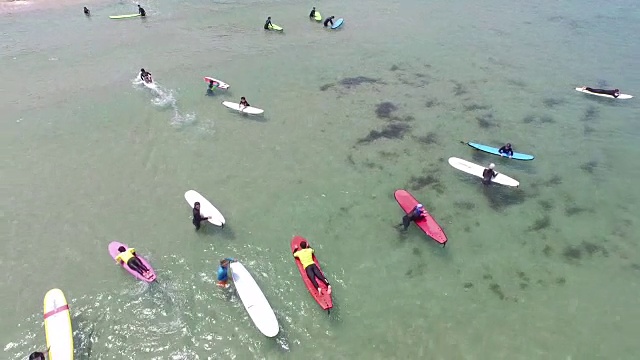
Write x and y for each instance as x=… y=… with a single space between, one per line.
x=615 y=93
x=506 y=150
x=488 y=174
x=243 y=103
x=223 y=271
x=129 y=257
x=268 y=23
x=86 y=11
x=141 y=11
x=329 y=20
x=312 y=14
x=416 y=213
x=306 y=259
x=145 y=76
x=197 y=217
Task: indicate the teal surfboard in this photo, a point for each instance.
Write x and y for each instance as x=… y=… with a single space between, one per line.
x=494 y=151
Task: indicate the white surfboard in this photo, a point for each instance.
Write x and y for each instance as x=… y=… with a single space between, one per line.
x=57 y=325
x=254 y=300
x=620 y=97
x=248 y=110
x=474 y=169
x=206 y=208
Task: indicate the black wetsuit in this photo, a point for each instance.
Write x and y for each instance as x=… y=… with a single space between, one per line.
x=312 y=13
x=36 y=356
x=87 y=12
x=602 y=91
x=313 y=272
x=414 y=215
x=197 y=218
x=145 y=75
x=141 y=11
x=504 y=150
x=328 y=21
x=244 y=103
x=137 y=265
x=487 y=175
x=267 y=24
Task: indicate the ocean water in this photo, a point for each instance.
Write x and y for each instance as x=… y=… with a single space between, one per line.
x=545 y=271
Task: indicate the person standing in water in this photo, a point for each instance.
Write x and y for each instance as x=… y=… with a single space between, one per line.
x=305 y=255
x=223 y=271
x=329 y=20
x=141 y=11
x=615 y=93
x=129 y=257
x=268 y=23
x=312 y=14
x=197 y=216
x=506 y=150
x=86 y=11
x=488 y=174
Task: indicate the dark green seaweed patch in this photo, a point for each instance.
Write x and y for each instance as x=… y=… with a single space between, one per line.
x=591 y=113
x=394 y=130
x=635 y=267
x=475 y=107
x=468 y=285
x=356 y=81
x=547 y=250
x=495 y=288
x=529 y=119
x=572 y=253
x=575 y=210
x=551 y=102
x=458 y=89
x=588 y=130
x=419 y=182
x=523 y=276
x=523 y=286
x=589 y=166
x=592 y=249
x=430 y=103
x=540 y=224
x=350 y=159
x=384 y=109
x=555 y=180
x=394 y=67
x=546 y=205
x=487 y=276
x=546 y=119
x=464 y=205
x=388 y=155
x=518 y=83
x=501 y=197
x=561 y=280
x=326 y=87
x=429 y=139
x=486 y=121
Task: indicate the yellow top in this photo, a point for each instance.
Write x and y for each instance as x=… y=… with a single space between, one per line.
x=305 y=256
x=126 y=256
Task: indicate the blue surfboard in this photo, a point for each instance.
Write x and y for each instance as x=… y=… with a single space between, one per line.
x=494 y=151
x=338 y=23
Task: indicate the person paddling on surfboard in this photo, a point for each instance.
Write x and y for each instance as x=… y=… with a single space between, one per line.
x=129 y=257
x=145 y=76
x=488 y=174
x=86 y=11
x=243 y=103
x=268 y=23
x=141 y=11
x=615 y=93
x=306 y=258
x=506 y=150
x=416 y=213
x=329 y=20
x=197 y=217
x=223 y=271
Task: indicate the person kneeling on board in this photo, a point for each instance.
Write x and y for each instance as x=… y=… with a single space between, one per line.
x=141 y=11
x=197 y=217
x=488 y=174
x=615 y=93
x=306 y=258
x=243 y=103
x=129 y=257
x=86 y=11
x=223 y=271
x=416 y=213
x=312 y=14
x=268 y=23
x=506 y=150
x=145 y=76
x=329 y=20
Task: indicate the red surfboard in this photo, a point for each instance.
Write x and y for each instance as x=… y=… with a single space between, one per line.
x=428 y=224
x=324 y=300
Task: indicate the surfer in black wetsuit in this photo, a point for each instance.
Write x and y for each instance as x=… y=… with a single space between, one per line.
x=145 y=76
x=86 y=11
x=416 y=213
x=329 y=20
x=312 y=14
x=37 y=355
x=615 y=93
x=506 y=150
x=243 y=103
x=197 y=217
x=268 y=23
x=488 y=174
x=141 y=11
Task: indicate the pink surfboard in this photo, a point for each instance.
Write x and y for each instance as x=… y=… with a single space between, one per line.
x=113 y=251
x=217 y=83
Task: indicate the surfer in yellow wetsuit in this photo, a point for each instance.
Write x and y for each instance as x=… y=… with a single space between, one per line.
x=129 y=257
x=305 y=254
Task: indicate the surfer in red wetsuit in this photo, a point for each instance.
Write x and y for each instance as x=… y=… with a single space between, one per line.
x=416 y=213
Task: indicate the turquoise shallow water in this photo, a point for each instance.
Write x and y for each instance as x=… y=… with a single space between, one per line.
x=548 y=270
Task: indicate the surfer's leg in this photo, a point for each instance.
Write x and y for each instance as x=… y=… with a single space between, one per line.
x=311 y=274
x=320 y=275
x=406 y=221
x=134 y=265
x=142 y=265
x=196 y=224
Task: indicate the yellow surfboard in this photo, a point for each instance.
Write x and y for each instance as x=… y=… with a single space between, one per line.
x=275 y=27
x=57 y=326
x=317 y=16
